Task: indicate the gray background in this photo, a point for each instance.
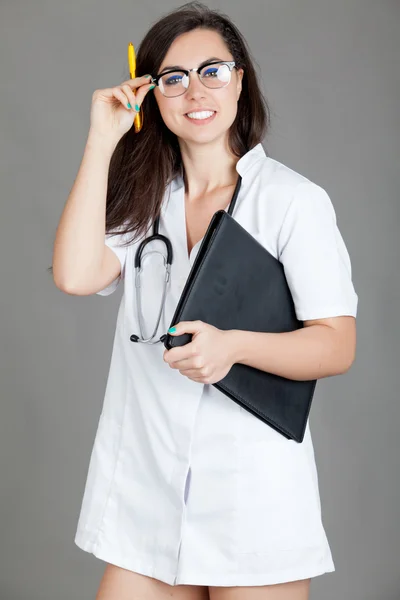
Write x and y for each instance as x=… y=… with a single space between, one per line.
x=330 y=71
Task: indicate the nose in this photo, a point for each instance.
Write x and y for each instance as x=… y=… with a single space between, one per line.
x=195 y=88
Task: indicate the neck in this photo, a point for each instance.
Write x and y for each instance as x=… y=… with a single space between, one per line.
x=207 y=168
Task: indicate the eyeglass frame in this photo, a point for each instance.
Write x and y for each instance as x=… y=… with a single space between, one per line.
x=230 y=63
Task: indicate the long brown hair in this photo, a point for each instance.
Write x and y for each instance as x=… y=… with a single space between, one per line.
x=144 y=163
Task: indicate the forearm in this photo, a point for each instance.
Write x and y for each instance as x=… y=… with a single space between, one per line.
x=79 y=242
x=307 y=353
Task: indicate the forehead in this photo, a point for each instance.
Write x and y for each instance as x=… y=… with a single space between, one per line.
x=193 y=47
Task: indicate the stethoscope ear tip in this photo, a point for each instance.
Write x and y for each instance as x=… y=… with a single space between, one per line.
x=135 y=338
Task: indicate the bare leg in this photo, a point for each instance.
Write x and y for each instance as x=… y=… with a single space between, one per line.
x=293 y=590
x=121 y=584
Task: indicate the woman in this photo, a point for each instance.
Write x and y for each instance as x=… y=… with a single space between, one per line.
x=185 y=488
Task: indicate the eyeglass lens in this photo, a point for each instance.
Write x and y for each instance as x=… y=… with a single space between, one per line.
x=213 y=76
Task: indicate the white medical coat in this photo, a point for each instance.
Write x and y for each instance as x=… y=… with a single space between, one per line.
x=184 y=485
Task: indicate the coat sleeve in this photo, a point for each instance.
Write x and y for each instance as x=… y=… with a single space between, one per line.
x=115 y=241
x=314 y=256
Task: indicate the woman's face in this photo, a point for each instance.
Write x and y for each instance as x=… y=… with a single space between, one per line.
x=189 y=50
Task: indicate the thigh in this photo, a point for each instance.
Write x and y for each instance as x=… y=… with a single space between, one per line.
x=121 y=584
x=293 y=590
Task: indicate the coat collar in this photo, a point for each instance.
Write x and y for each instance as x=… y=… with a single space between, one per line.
x=253 y=156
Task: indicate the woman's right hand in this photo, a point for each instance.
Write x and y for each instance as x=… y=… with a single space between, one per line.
x=109 y=115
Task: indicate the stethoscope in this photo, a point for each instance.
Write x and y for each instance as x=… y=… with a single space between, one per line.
x=138 y=271
x=167 y=265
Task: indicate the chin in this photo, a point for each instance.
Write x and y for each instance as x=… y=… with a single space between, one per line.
x=200 y=139
x=201 y=136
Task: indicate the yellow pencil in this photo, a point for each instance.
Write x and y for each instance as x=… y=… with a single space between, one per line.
x=138 y=121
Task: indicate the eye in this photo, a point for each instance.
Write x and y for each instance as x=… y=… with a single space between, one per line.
x=210 y=72
x=173 y=79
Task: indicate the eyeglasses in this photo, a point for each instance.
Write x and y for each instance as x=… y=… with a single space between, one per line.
x=213 y=75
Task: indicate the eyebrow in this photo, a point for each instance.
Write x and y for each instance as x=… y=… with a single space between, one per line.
x=179 y=67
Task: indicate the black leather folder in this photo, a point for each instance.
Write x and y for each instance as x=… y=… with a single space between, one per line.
x=235 y=283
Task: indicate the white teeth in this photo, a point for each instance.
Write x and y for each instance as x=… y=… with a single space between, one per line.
x=201 y=115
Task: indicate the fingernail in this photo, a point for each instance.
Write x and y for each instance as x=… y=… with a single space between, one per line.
x=137 y=107
x=152 y=86
x=171 y=330
x=147 y=76
x=129 y=105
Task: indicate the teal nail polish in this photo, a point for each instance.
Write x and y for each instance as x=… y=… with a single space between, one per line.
x=137 y=107
x=152 y=86
x=128 y=105
x=171 y=330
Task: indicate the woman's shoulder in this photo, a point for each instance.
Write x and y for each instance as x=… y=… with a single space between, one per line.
x=275 y=172
x=281 y=197
x=280 y=186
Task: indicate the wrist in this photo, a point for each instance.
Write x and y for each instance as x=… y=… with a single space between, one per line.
x=234 y=345
x=105 y=142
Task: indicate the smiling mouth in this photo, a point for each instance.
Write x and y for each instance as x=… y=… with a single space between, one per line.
x=200 y=120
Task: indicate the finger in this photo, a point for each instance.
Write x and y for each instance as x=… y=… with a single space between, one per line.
x=130 y=95
x=183 y=363
x=121 y=96
x=193 y=378
x=180 y=353
x=191 y=373
x=186 y=327
x=137 y=81
x=141 y=93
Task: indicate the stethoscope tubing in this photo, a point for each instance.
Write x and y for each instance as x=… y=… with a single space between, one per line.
x=138 y=271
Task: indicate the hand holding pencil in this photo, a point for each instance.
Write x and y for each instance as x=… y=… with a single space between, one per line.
x=115 y=110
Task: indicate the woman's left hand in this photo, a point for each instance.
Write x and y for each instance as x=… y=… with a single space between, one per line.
x=207 y=358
